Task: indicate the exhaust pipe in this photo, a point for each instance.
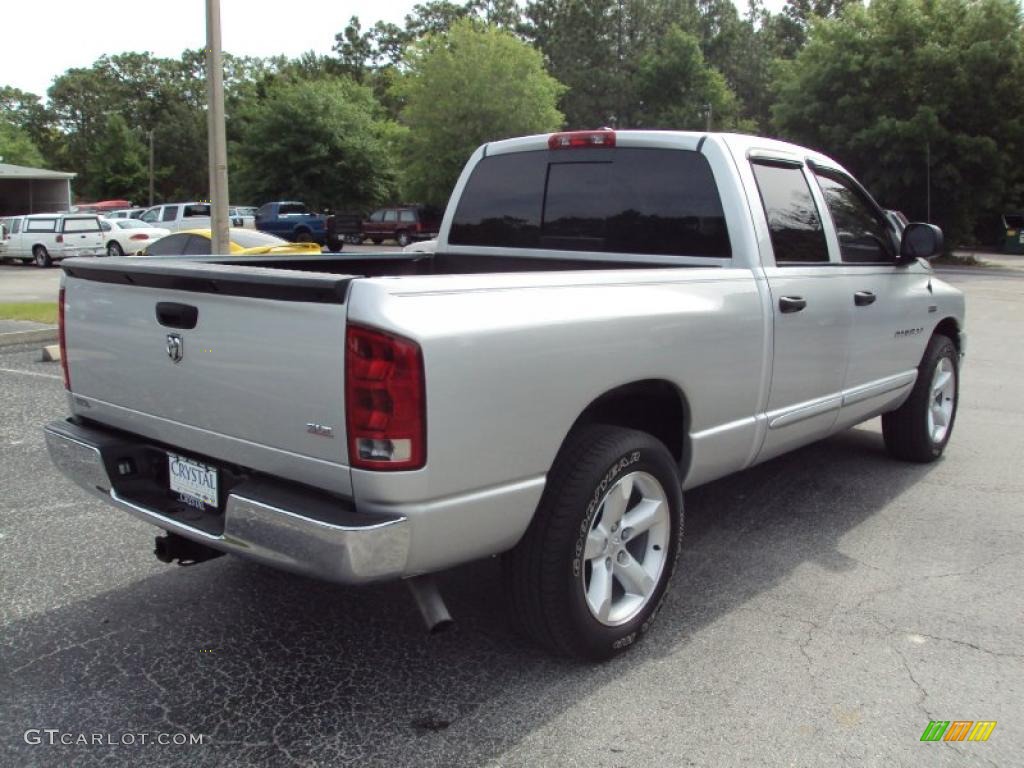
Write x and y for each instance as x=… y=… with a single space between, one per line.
x=171 y=547
x=428 y=599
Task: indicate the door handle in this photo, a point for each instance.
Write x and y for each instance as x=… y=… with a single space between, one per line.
x=863 y=298
x=789 y=304
x=173 y=315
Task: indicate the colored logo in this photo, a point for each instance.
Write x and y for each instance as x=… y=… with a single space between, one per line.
x=958 y=730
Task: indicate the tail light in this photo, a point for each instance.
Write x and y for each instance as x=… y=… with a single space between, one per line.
x=62 y=340
x=385 y=401
x=139 y=237
x=60 y=238
x=581 y=139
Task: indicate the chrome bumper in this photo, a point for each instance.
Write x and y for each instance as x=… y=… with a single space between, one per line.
x=275 y=523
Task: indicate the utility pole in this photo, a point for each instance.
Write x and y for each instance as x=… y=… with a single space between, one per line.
x=218 y=151
x=707 y=107
x=150 y=167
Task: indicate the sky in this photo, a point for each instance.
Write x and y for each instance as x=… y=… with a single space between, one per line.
x=42 y=39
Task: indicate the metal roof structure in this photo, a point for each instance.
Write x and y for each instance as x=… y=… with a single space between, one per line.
x=22 y=173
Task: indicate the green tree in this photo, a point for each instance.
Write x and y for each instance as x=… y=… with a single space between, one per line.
x=118 y=168
x=326 y=142
x=677 y=87
x=473 y=85
x=17 y=147
x=886 y=88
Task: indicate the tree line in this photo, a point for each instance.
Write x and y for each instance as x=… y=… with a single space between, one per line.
x=905 y=93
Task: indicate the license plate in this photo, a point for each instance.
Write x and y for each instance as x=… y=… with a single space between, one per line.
x=195 y=483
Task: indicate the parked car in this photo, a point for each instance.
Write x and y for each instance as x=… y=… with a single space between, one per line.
x=129 y=237
x=44 y=238
x=177 y=216
x=403 y=223
x=609 y=319
x=244 y=242
x=294 y=221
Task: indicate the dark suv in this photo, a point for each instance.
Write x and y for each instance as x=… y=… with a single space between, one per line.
x=404 y=223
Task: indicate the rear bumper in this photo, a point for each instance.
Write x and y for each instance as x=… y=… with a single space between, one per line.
x=275 y=523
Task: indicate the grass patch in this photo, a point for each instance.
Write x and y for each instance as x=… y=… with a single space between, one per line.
x=37 y=312
x=958 y=260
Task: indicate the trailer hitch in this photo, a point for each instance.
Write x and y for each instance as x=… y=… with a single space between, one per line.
x=171 y=547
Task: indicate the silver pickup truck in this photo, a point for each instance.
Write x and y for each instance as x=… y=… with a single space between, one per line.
x=610 y=318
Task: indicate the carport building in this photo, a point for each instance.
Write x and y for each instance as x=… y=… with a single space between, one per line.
x=33 y=190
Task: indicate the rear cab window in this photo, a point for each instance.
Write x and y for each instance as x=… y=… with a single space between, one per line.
x=192 y=211
x=627 y=200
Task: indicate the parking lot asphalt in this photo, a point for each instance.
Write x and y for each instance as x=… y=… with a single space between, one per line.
x=827 y=606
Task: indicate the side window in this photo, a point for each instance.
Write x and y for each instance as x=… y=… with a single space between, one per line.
x=151 y=216
x=16 y=226
x=81 y=225
x=41 y=225
x=106 y=226
x=793 y=219
x=377 y=216
x=196 y=210
x=864 y=236
x=391 y=215
x=291 y=209
x=407 y=216
x=172 y=245
x=170 y=213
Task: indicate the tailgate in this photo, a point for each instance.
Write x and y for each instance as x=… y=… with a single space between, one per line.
x=238 y=363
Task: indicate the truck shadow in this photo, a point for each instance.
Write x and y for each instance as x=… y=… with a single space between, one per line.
x=277 y=669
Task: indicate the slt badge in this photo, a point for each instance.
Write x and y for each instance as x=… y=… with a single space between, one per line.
x=175 y=347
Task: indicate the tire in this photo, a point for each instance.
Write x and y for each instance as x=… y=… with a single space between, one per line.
x=303 y=236
x=920 y=428
x=376 y=240
x=114 y=249
x=335 y=244
x=41 y=257
x=554 y=575
x=403 y=239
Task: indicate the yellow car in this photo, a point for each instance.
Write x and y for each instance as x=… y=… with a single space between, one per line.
x=244 y=242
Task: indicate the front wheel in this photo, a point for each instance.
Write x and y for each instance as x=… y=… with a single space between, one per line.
x=41 y=256
x=920 y=428
x=588 y=577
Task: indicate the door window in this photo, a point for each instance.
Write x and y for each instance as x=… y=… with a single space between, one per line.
x=794 y=223
x=196 y=210
x=391 y=215
x=864 y=235
x=377 y=216
x=16 y=226
x=170 y=213
x=407 y=217
x=151 y=216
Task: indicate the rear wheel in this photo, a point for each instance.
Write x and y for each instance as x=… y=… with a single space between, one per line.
x=588 y=577
x=920 y=428
x=41 y=257
x=114 y=249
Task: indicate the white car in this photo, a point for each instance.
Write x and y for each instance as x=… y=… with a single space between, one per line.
x=125 y=213
x=242 y=216
x=129 y=237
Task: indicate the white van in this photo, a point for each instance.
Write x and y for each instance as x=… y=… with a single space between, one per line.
x=178 y=216
x=48 y=237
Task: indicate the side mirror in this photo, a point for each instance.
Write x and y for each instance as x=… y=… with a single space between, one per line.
x=920 y=241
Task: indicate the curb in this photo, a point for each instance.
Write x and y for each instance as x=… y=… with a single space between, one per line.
x=28 y=337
